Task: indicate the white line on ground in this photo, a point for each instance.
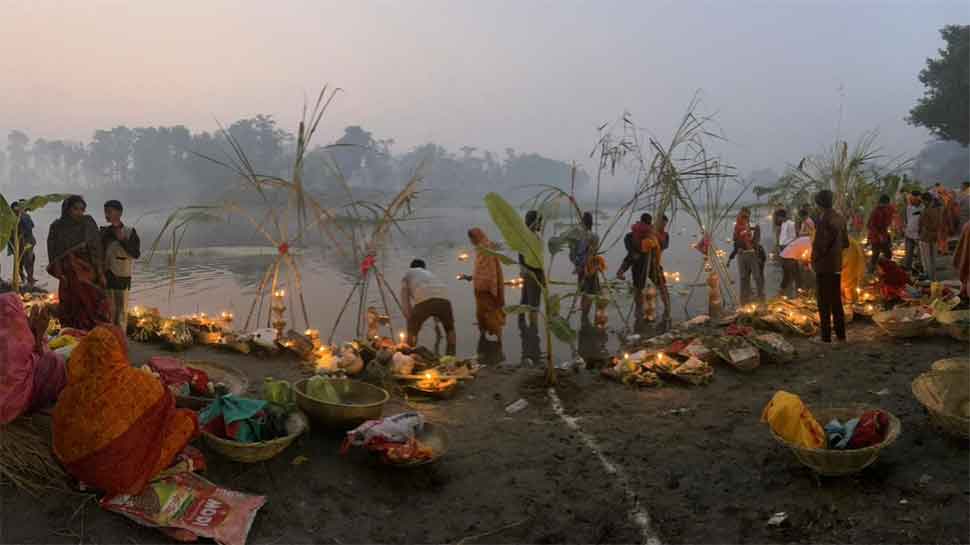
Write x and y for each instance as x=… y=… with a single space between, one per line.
x=638 y=515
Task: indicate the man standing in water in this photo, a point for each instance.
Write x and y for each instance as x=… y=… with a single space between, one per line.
x=121 y=247
x=749 y=263
x=25 y=234
x=424 y=296
x=830 y=239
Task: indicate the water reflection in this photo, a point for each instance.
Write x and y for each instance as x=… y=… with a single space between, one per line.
x=592 y=344
x=531 y=348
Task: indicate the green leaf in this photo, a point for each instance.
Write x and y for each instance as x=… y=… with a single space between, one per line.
x=555 y=304
x=519 y=237
x=8 y=220
x=40 y=201
x=506 y=260
x=560 y=328
x=519 y=309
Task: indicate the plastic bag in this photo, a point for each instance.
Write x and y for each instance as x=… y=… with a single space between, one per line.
x=186 y=506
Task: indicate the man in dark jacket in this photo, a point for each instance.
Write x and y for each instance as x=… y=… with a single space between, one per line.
x=830 y=239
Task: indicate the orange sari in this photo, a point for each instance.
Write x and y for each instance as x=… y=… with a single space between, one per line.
x=115 y=427
x=489 y=285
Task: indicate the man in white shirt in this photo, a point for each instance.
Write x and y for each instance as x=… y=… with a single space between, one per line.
x=913 y=212
x=424 y=296
x=789 y=267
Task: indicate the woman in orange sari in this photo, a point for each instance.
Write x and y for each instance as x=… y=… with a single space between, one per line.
x=489 y=285
x=115 y=427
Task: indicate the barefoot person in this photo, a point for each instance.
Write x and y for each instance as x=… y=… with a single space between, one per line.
x=423 y=296
x=582 y=254
x=76 y=260
x=489 y=285
x=830 y=239
x=121 y=248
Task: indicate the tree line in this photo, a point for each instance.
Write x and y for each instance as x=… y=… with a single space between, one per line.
x=150 y=161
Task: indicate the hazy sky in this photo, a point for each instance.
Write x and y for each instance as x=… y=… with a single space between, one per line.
x=531 y=75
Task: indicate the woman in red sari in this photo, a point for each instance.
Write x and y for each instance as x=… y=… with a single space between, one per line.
x=76 y=260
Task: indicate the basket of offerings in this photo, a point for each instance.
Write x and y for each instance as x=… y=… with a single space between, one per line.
x=432 y=385
x=339 y=403
x=427 y=446
x=956 y=323
x=258 y=451
x=843 y=461
x=904 y=322
x=222 y=379
x=403 y=440
x=946 y=396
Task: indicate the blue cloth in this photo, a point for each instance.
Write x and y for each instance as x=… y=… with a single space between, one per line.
x=839 y=434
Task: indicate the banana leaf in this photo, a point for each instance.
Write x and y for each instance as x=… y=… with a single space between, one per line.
x=519 y=237
x=40 y=201
x=560 y=328
x=8 y=220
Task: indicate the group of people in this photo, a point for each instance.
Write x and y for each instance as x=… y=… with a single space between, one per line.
x=93 y=265
x=929 y=220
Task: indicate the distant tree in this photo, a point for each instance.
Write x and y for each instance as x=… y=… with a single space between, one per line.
x=18 y=156
x=3 y=167
x=353 y=147
x=942 y=161
x=944 y=108
x=262 y=142
x=109 y=157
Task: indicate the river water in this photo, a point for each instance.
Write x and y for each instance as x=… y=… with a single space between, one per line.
x=220 y=267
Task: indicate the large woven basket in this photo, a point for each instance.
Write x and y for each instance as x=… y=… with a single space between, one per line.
x=952 y=364
x=954 y=323
x=236 y=380
x=946 y=396
x=250 y=453
x=900 y=329
x=834 y=463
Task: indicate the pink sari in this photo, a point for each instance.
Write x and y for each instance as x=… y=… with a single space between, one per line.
x=28 y=380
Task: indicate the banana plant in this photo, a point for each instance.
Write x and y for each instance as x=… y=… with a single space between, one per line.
x=520 y=238
x=10 y=228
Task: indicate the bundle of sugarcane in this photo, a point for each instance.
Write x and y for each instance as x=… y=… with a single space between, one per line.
x=26 y=458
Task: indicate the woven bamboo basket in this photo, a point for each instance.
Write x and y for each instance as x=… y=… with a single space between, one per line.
x=914 y=327
x=946 y=396
x=250 y=453
x=835 y=463
x=951 y=322
x=951 y=364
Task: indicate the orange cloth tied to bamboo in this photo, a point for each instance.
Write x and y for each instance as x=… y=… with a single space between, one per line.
x=116 y=427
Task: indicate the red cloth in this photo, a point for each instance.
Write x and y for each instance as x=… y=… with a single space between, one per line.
x=871 y=430
x=83 y=304
x=640 y=231
x=170 y=370
x=738 y=330
x=199 y=381
x=880 y=221
x=892 y=280
x=743 y=235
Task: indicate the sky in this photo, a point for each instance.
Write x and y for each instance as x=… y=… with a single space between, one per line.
x=783 y=78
